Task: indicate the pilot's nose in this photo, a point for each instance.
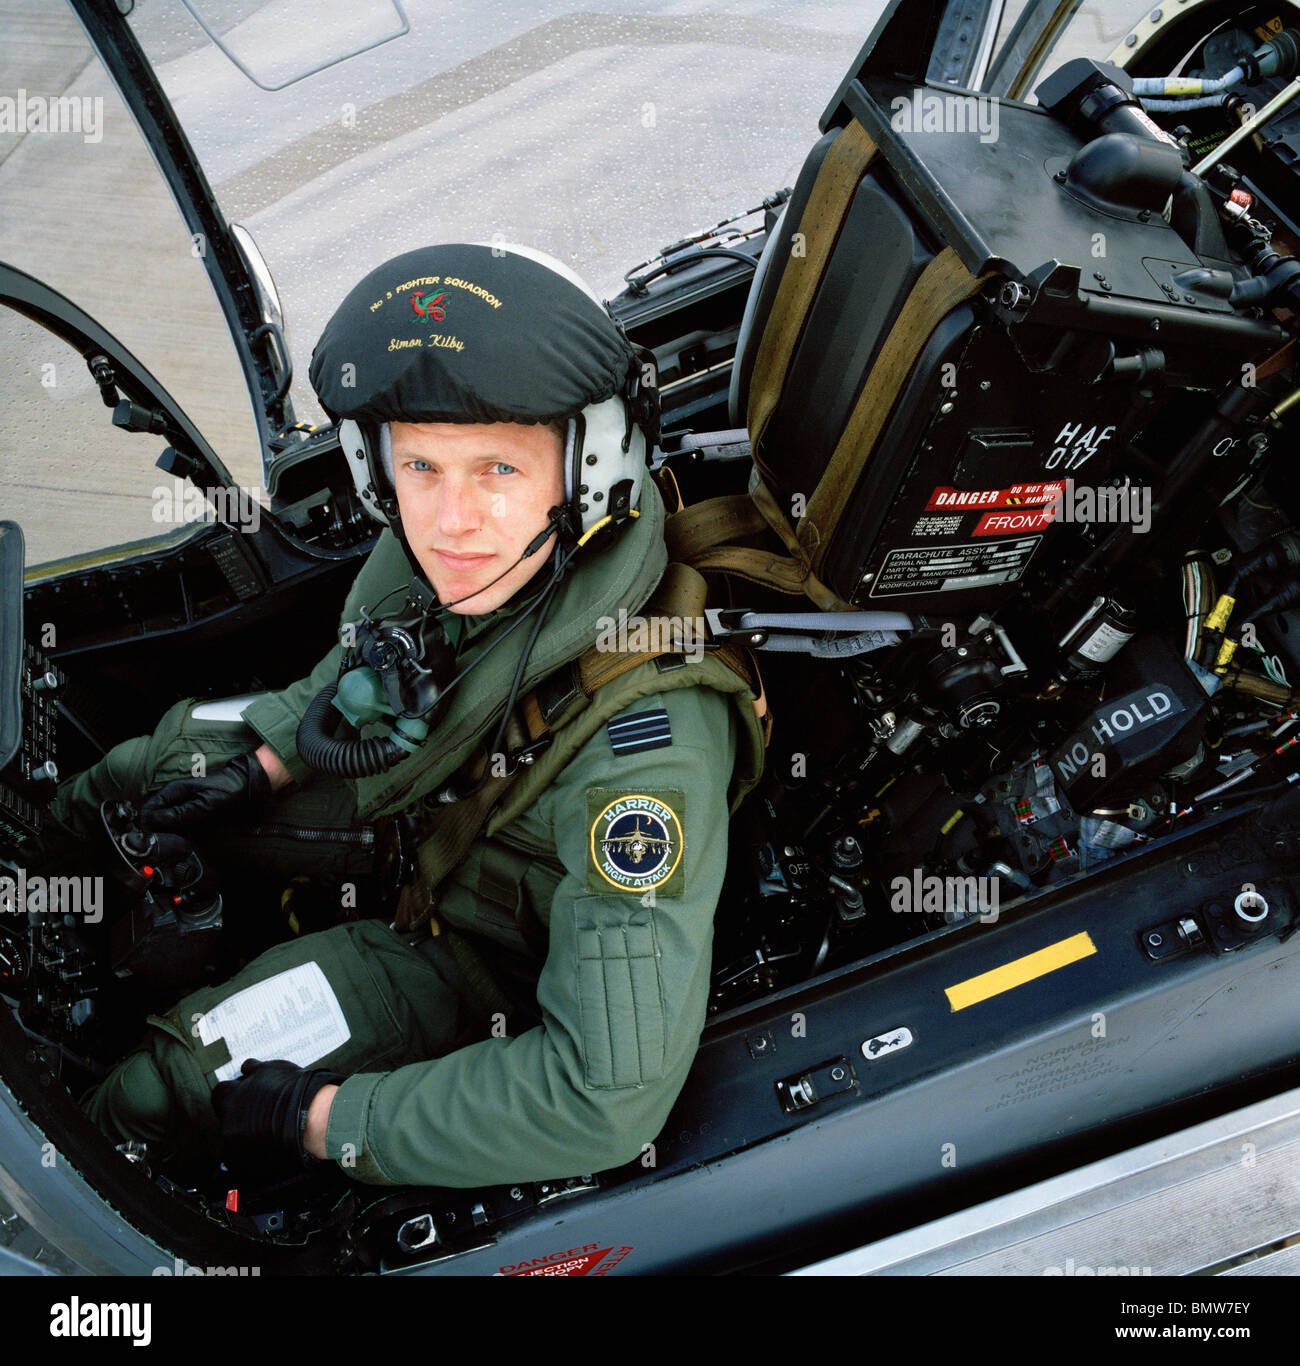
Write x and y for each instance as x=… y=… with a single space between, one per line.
x=458 y=511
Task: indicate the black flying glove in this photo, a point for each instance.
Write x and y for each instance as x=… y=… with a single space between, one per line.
x=234 y=791
x=262 y=1116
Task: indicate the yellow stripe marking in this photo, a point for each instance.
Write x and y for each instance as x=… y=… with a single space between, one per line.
x=1019 y=971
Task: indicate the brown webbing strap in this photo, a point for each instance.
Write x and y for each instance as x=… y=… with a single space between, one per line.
x=765 y=501
x=761 y=709
x=778 y=572
x=681 y=592
x=599 y=667
x=442 y=843
x=704 y=525
x=696 y=535
x=823 y=216
x=944 y=284
x=740 y=664
x=809 y=583
x=666 y=482
x=531 y=712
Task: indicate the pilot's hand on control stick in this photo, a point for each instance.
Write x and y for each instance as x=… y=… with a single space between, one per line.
x=235 y=791
x=262 y=1116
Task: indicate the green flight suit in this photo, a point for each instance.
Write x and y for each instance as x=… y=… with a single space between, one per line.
x=436 y=1091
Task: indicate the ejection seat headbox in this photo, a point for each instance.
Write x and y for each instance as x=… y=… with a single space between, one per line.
x=933 y=352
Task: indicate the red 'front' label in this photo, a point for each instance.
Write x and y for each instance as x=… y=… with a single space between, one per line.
x=1018 y=495
x=1013 y=523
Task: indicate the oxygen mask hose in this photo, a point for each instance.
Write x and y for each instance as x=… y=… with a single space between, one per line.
x=397 y=678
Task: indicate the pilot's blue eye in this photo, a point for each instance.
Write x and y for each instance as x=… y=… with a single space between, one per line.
x=420 y=465
x=502 y=468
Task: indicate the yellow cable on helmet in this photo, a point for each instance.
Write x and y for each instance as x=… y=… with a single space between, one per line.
x=609 y=517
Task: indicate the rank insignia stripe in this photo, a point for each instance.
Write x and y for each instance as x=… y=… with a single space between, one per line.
x=1019 y=971
x=639 y=731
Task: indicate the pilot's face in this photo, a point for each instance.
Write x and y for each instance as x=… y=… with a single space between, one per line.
x=472 y=496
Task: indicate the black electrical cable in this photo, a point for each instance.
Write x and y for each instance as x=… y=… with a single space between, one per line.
x=374 y=611
x=546 y=598
x=555 y=521
x=541 y=598
x=638 y=286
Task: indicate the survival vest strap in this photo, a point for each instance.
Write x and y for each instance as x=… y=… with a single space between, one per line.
x=568 y=707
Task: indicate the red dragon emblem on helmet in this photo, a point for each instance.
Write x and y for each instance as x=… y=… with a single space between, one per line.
x=428 y=307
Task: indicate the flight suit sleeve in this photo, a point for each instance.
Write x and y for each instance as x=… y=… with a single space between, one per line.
x=639 y=822
x=275 y=716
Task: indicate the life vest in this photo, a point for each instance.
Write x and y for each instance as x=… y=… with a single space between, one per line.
x=563 y=713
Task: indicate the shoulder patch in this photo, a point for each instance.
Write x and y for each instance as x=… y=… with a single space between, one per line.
x=636 y=841
x=639 y=731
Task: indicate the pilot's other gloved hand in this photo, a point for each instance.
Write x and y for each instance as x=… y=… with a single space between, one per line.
x=235 y=791
x=262 y=1117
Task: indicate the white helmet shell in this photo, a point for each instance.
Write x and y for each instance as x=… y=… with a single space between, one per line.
x=599 y=474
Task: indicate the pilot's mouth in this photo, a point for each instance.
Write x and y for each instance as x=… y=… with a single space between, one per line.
x=457 y=560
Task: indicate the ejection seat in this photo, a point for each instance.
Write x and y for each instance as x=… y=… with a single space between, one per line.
x=932 y=347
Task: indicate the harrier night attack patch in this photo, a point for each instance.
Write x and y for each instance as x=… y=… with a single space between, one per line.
x=635 y=841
